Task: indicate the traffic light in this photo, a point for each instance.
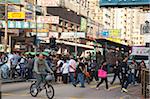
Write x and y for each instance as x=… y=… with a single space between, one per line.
x=52 y=42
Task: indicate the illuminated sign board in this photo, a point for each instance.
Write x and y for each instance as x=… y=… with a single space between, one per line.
x=16 y=15
x=107 y=3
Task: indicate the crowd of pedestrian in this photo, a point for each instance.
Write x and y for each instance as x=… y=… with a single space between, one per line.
x=68 y=69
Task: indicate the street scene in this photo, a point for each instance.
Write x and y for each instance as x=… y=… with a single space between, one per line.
x=21 y=90
x=74 y=49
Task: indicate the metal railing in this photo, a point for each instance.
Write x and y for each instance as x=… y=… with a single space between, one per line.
x=145 y=83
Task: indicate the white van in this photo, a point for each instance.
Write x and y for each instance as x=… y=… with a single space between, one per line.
x=140 y=53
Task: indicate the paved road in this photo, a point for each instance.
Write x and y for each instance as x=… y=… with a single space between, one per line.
x=21 y=91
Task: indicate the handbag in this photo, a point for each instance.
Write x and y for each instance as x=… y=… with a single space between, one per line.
x=102 y=73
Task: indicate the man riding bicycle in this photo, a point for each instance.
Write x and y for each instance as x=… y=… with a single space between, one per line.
x=41 y=69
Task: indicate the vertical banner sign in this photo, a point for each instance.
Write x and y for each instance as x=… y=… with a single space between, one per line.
x=83 y=25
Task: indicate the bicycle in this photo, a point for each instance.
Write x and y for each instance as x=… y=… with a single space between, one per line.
x=34 y=90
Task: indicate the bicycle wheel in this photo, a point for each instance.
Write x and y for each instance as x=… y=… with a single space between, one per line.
x=33 y=90
x=49 y=91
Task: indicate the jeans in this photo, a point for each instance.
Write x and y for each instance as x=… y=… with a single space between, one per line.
x=72 y=77
x=80 y=78
x=22 y=70
x=128 y=81
x=133 y=78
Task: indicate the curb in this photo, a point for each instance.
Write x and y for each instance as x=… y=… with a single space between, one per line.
x=12 y=81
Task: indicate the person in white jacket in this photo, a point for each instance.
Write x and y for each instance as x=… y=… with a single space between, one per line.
x=72 y=69
x=65 y=71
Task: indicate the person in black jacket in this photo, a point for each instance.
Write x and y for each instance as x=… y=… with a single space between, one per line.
x=103 y=79
x=116 y=72
x=125 y=75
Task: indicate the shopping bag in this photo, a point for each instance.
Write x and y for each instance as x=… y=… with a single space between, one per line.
x=102 y=73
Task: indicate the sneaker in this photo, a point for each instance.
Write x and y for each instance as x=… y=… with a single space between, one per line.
x=74 y=85
x=124 y=90
x=97 y=88
x=82 y=86
x=108 y=89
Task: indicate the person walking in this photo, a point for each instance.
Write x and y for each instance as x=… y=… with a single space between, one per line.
x=80 y=74
x=116 y=72
x=72 y=69
x=104 y=68
x=139 y=73
x=126 y=75
x=58 y=70
x=65 y=71
x=94 y=70
x=133 y=71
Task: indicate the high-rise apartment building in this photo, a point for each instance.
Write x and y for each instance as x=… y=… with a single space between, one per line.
x=128 y=20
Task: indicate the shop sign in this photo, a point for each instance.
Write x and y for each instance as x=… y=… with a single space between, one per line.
x=26 y=25
x=114 y=33
x=72 y=35
x=21 y=24
x=40 y=30
x=16 y=15
x=40 y=25
x=32 y=25
x=12 y=1
x=111 y=33
x=50 y=3
x=83 y=25
x=29 y=16
x=11 y=24
x=39 y=34
x=54 y=34
x=48 y=19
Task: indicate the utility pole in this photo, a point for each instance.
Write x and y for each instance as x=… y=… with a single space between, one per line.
x=6 y=26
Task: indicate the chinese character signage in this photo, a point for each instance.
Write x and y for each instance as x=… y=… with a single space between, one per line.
x=12 y=1
x=50 y=3
x=111 y=33
x=83 y=24
x=22 y=25
x=108 y=3
x=16 y=15
x=48 y=19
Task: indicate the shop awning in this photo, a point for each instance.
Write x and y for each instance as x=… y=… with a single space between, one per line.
x=74 y=44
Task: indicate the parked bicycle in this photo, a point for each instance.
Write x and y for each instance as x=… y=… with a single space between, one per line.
x=45 y=85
